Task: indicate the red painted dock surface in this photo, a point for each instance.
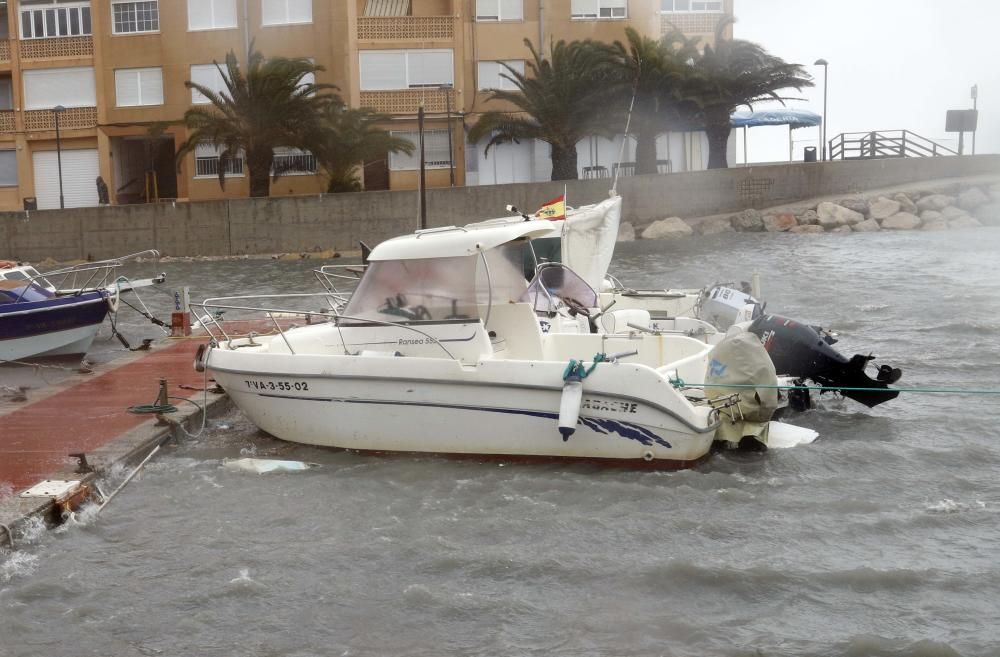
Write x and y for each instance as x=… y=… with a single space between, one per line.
x=36 y=439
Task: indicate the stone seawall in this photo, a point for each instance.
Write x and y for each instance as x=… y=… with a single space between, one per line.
x=314 y=223
x=942 y=205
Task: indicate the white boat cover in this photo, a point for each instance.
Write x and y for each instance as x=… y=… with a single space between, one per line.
x=589 y=235
x=454 y=241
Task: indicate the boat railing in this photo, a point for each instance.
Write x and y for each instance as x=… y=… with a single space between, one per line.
x=90 y=276
x=330 y=276
x=211 y=320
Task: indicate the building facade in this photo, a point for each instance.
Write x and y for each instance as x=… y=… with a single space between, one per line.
x=95 y=88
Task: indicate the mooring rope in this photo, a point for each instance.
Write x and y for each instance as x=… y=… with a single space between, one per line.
x=680 y=383
x=576 y=368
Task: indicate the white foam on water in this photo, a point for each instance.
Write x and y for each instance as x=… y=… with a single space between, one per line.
x=951 y=506
x=18 y=564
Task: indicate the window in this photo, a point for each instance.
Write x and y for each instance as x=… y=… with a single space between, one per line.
x=404 y=69
x=599 y=9
x=705 y=6
x=138 y=86
x=131 y=17
x=45 y=88
x=209 y=76
x=6 y=94
x=436 y=154
x=206 y=162
x=294 y=162
x=48 y=20
x=286 y=12
x=8 y=168
x=499 y=10
x=211 y=14
x=491 y=74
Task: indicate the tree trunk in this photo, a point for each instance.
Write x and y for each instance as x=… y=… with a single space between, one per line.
x=564 y=163
x=645 y=151
x=718 y=130
x=260 y=164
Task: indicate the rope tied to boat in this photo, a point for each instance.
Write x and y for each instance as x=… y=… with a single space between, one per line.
x=680 y=383
x=575 y=368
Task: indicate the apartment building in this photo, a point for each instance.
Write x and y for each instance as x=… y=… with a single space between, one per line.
x=95 y=88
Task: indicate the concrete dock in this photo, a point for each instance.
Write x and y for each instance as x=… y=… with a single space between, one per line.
x=88 y=414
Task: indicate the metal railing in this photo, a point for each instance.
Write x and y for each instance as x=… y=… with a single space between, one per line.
x=212 y=321
x=330 y=275
x=884 y=144
x=87 y=277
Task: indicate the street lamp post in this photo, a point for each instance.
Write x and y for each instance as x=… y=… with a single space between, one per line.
x=824 y=64
x=57 y=110
x=975 y=108
x=451 y=155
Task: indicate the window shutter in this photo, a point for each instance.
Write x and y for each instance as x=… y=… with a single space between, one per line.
x=489 y=75
x=199 y=14
x=8 y=168
x=127 y=88
x=207 y=75
x=151 y=86
x=488 y=10
x=584 y=8
x=430 y=68
x=511 y=10
x=225 y=13
x=383 y=70
x=300 y=11
x=273 y=12
x=69 y=87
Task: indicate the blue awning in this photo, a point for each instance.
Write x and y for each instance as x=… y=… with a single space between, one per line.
x=794 y=118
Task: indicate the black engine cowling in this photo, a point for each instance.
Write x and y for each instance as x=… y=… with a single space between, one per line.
x=799 y=351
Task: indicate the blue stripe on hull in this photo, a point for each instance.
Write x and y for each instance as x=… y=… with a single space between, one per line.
x=605 y=426
x=51 y=316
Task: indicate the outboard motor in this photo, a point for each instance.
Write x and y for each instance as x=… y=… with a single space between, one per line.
x=798 y=350
x=724 y=306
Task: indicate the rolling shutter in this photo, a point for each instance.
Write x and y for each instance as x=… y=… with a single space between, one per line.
x=70 y=87
x=79 y=174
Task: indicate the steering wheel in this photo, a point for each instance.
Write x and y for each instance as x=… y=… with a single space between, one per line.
x=576 y=307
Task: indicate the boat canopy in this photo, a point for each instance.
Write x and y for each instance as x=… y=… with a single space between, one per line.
x=456 y=241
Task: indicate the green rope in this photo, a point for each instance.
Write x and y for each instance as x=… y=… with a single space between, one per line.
x=576 y=367
x=679 y=383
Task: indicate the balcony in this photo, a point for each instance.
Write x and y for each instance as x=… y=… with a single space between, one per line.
x=690 y=23
x=56 y=48
x=7 y=121
x=4 y=51
x=73 y=118
x=405 y=28
x=407 y=101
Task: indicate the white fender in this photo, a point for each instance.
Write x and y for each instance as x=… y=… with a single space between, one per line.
x=569 y=406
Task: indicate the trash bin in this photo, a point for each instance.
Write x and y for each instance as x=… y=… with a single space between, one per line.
x=30 y=203
x=810 y=154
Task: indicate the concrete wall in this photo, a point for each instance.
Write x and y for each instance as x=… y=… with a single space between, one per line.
x=315 y=222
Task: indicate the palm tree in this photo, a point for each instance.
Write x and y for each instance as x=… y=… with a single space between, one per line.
x=732 y=73
x=269 y=106
x=350 y=137
x=655 y=72
x=559 y=99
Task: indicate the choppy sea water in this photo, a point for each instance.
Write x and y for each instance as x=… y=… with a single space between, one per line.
x=879 y=539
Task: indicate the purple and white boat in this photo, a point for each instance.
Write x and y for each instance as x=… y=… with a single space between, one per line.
x=39 y=318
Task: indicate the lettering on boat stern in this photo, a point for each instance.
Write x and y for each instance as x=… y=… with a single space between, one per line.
x=608 y=405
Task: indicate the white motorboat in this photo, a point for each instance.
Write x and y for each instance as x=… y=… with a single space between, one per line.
x=440 y=350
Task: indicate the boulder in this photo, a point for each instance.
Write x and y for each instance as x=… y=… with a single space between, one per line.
x=667 y=229
x=963 y=222
x=832 y=215
x=883 y=208
x=935 y=202
x=859 y=205
x=901 y=221
x=989 y=215
x=972 y=198
x=748 y=221
x=906 y=204
x=626 y=232
x=951 y=212
x=807 y=228
x=844 y=229
x=935 y=224
x=932 y=215
x=715 y=226
x=779 y=223
x=808 y=218
x=866 y=226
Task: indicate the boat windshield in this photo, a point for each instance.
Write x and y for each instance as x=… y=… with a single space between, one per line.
x=15 y=288
x=436 y=289
x=557 y=283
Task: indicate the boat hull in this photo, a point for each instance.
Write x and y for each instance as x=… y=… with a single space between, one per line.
x=60 y=327
x=434 y=408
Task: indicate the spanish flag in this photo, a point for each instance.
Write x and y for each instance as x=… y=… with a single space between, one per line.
x=553 y=210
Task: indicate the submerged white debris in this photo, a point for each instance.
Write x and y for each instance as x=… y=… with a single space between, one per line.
x=783 y=436
x=261 y=466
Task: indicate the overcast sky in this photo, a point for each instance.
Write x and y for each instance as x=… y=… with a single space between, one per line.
x=893 y=64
